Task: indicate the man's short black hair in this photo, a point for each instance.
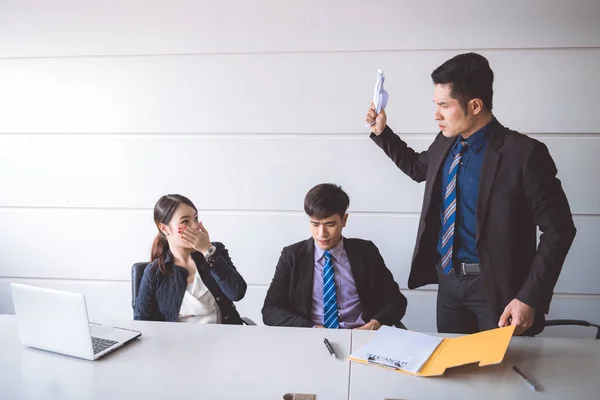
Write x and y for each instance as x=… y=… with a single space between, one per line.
x=470 y=77
x=324 y=200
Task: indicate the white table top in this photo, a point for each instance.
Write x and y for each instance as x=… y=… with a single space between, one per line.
x=562 y=368
x=177 y=360
x=174 y=360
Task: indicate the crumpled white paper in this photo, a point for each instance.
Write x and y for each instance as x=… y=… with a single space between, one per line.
x=380 y=96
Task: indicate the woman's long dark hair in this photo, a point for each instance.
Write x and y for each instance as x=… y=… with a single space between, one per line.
x=164 y=209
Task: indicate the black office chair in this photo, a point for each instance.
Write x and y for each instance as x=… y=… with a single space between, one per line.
x=137 y=272
x=576 y=322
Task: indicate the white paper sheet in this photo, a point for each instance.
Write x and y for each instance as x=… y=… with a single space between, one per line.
x=398 y=348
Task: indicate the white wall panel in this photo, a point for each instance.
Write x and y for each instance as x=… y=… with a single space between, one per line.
x=225 y=173
x=580 y=274
x=237 y=172
x=284 y=93
x=69 y=27
x=74 y=244
x=254 y=241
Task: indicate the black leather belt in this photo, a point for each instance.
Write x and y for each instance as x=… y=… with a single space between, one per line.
x=462 y=268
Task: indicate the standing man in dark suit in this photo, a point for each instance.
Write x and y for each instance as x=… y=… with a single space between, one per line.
x=487 y=188
x=331 y=281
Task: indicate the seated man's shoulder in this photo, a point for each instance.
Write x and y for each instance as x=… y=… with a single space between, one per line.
x=297 y=247
x=361 y=244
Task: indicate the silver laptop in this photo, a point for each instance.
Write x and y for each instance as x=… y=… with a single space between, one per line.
x=57 y=321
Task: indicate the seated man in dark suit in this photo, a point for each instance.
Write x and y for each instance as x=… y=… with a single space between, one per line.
x=331 y=281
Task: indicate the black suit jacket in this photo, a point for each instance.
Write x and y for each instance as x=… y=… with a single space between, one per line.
x=518 y=191
x=289 y=298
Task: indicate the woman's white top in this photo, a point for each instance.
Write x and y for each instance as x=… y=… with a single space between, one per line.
x=199 y=305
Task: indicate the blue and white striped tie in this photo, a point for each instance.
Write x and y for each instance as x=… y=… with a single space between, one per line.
x=450 y=210
x=330 y=315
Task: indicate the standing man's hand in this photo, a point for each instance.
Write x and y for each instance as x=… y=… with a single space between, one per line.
x=379 y=120
x=519 y=314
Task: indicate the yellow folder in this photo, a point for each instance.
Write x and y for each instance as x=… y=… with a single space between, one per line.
x=487 y=348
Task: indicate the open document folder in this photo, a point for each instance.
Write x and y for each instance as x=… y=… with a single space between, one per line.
x=421 y=354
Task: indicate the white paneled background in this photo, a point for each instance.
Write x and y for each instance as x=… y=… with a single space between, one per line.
x=245 y=105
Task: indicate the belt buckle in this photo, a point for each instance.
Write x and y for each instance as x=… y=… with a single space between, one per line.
x=462 y=269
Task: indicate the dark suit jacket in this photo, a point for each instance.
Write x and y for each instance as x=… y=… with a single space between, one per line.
x=160 y=296
x=289 y=298
x=518 y=191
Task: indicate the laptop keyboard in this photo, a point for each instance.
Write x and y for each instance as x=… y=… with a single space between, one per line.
x=101 y=344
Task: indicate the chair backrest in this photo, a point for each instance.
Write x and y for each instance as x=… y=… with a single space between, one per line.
x=137 y=271
x=564 y=322
x=400 y=325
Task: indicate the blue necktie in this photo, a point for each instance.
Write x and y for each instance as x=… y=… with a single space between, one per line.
x=450 y=210
x=330 y=315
